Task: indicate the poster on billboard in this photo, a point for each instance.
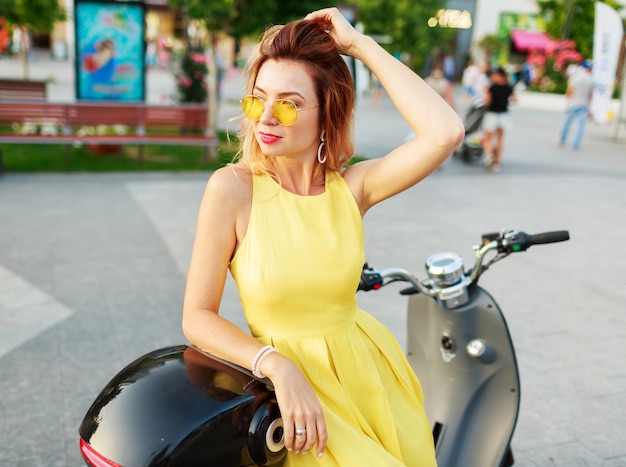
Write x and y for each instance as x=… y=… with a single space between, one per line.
x=110 y=39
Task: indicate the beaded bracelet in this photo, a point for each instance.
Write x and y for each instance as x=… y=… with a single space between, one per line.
x=258 y=360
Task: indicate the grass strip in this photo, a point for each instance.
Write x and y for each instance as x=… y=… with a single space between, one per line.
x=19 y=158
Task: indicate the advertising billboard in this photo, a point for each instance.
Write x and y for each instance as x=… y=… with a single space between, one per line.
x=110 y=38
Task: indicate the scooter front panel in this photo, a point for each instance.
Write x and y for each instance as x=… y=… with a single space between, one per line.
x=466 y=364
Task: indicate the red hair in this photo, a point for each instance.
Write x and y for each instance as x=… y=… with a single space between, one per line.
x=307 y=42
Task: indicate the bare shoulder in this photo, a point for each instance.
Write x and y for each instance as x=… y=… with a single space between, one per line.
x=230 y=185
x=227 y=202
x=353 y=175
x=230 y=178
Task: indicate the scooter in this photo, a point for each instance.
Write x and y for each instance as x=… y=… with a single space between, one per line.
x=180 y=406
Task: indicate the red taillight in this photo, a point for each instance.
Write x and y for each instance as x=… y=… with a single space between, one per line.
x=94 y=458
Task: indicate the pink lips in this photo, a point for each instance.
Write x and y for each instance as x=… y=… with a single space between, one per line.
x=268 y=138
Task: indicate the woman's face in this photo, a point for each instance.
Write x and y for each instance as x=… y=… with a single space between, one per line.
x=284 y=79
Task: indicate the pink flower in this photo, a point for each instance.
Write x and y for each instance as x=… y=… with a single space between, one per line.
x=537 y=59
x=184 y=81
x=551 y=47
x=198 y=58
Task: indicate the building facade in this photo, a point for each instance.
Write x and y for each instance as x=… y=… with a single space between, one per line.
x=497 y=17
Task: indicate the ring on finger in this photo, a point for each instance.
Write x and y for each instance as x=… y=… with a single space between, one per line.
x=300 y=432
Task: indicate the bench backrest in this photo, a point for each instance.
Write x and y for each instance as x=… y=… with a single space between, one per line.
x=190 y=116
x=88 y=114
x=24 y=111
x=75 y=115
x=22 y=89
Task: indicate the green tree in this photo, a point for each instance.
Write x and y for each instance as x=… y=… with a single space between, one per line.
x=34 y=16
x=572 y=19
x=491 y=43
x=405 y=22
x=244 y=18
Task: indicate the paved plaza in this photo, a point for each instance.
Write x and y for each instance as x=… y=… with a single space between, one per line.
x=93 y=267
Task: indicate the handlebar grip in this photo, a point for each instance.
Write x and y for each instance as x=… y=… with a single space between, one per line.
x=370 y=279
x=549 y=237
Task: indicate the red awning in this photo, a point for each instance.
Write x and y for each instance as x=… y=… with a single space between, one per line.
x=526 y=41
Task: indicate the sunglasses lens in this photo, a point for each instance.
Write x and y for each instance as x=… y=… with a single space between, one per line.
x=285 y=112
x=252 y=107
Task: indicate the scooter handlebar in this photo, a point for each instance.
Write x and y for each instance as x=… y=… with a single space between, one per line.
x=514 y=241
x=549 y=237
x=504 y=243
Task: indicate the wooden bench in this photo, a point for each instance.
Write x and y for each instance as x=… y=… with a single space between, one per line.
x=33 y=122
x=23 y=90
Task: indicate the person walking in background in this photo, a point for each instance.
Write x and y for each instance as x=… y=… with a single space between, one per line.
x=475 y=82
x=151 y=53
x=448 y=67
x=16 y=40
x=441 y=84
x=27 y=43
x=527 y=73
x=578 y=95
x=470 y=78
x=5 y=38
x=377 y=92
x=497 y=98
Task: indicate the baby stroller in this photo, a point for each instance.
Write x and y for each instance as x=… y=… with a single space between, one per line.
x=471 y=148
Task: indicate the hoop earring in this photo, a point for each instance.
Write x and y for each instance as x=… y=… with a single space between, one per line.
x=319 y=149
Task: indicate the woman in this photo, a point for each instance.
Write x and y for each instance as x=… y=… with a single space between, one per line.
x=496 y=121
x=438 y=81
x=286 y=219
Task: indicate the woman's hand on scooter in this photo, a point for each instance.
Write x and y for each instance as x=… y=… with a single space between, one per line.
x=299 y=406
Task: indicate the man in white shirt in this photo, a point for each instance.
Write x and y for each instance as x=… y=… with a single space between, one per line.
x=470 y=78
x=578 y=94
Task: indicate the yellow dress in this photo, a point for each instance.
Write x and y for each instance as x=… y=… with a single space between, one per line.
x=297 y=272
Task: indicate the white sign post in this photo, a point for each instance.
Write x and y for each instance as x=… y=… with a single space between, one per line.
x=607 y=41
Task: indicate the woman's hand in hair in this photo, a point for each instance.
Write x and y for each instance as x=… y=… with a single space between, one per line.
x=339 y=28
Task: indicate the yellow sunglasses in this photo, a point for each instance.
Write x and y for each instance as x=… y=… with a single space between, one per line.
x=285 y=111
